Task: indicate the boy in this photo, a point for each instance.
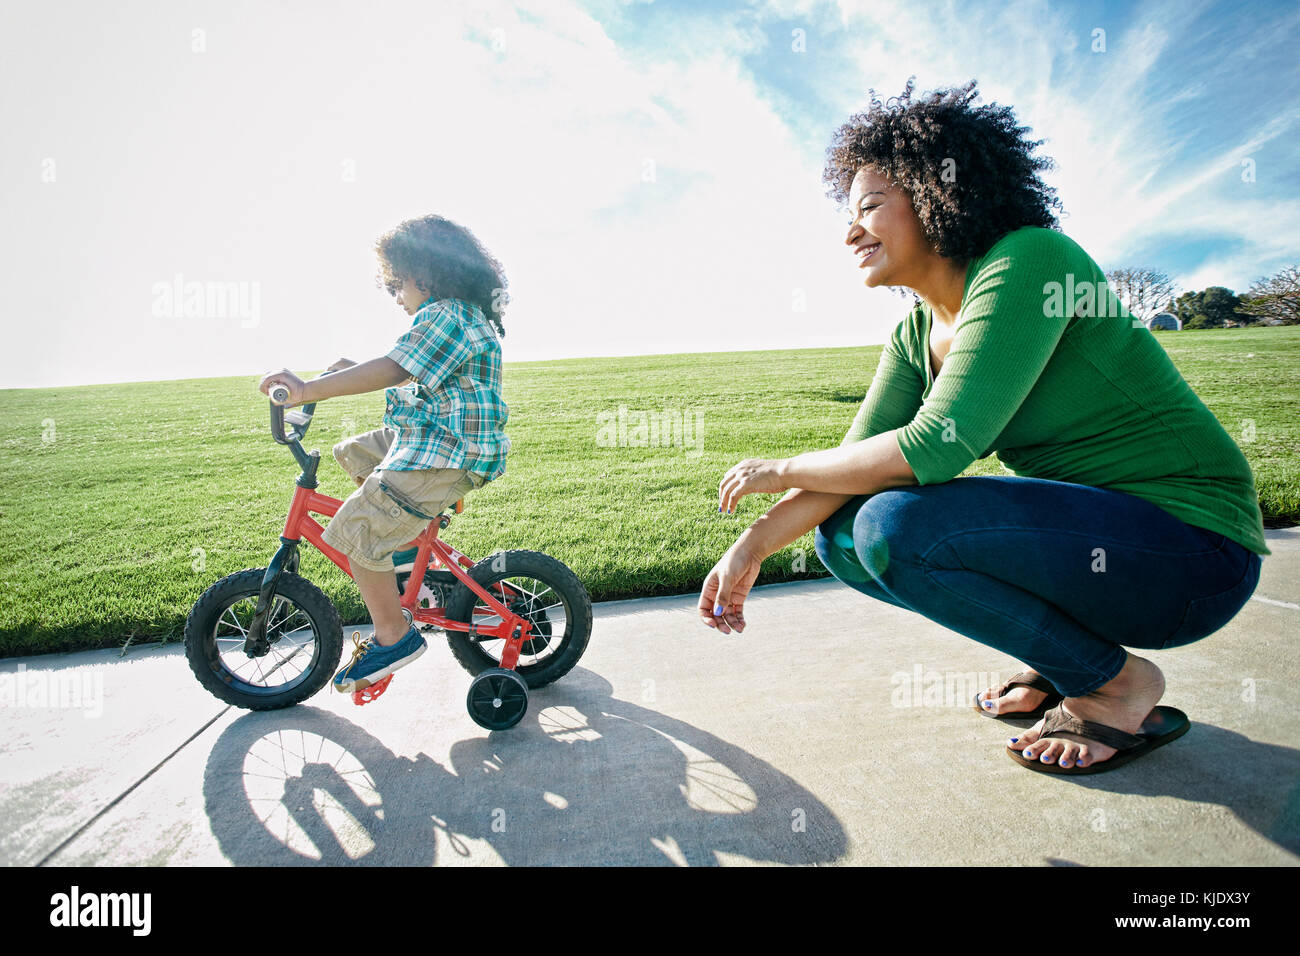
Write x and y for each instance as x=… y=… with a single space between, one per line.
x=443 y=431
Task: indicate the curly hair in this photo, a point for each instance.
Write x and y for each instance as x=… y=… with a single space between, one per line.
x=967 y=170
x=446 y=261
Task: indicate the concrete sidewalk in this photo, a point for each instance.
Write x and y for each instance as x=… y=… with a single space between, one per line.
x=836 y=730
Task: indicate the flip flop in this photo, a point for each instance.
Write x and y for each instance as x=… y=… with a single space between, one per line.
x=1162 y=725
x=1023 y=679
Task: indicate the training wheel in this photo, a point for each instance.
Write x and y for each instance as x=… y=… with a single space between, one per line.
x=497 y=699
x=367 y=694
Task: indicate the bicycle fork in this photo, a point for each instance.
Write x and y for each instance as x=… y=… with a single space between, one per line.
x=286 y=559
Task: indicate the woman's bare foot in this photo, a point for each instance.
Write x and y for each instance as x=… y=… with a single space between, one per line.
x=1015 y=701
x=1124 y=703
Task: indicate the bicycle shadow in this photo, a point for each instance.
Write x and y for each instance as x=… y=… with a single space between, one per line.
x=585 y=779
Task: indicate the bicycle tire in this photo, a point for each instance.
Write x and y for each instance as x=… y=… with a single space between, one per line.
x=204 y=652
x=555 y=575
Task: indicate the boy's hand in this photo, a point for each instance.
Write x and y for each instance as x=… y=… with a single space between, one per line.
x=284 y=377
x=341 y=364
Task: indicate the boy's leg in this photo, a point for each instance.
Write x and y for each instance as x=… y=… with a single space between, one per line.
x=360 y=454
x=361 y=530
x=366 y=529
x=375 y=521
x=379 y=591
x=421 y=495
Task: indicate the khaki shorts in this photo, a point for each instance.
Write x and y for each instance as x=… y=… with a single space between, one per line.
x=377 y=518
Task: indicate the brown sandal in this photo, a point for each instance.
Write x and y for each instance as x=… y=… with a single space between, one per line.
x=1161 y=726
x=1024 y=679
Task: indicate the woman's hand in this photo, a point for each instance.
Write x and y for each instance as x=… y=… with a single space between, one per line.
x=726 y=588
x=340 y=365
x=751 y=476
x=284 y=377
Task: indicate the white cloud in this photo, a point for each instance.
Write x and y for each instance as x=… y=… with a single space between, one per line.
x=523 y=121
x=531 y=125
x=1119 y=174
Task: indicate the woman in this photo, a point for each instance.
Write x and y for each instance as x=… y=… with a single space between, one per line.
x=1131 y=518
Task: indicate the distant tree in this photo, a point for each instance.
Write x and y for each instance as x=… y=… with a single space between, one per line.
x=1212 y=308
x=1143 y=291
x=1276 y=297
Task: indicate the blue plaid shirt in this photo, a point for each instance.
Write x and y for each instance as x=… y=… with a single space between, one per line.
x=451 y=415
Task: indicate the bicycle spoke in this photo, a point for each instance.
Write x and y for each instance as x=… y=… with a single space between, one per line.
x=292 y=643
x=539 y=611
x=283 y=661
x=235 y=620
x=246 y=662
x=279 y=604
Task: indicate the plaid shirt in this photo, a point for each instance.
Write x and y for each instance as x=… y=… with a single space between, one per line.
x=452 y=415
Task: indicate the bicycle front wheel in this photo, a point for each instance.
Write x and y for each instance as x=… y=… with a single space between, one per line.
x=303 y=629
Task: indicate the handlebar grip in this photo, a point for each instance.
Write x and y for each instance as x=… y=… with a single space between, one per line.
x=279 y=394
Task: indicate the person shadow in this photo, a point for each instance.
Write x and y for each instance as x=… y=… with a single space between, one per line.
x=1258 y=782
x=584 y=779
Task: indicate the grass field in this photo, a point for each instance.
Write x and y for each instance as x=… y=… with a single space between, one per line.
x=120 y=504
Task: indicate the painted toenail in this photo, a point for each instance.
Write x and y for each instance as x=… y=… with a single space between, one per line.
x=988 y=705
x=1014 y=739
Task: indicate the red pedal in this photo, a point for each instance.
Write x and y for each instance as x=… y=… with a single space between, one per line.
x=367 y=694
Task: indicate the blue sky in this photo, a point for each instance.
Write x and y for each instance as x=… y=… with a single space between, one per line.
x=649 y=173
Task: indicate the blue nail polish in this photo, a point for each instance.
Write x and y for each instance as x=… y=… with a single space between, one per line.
x=988 y=705
x=717 y=609
x=1015 y=739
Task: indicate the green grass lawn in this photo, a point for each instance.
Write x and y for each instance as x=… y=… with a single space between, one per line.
x=120 y=504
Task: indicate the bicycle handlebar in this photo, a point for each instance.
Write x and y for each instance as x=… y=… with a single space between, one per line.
x=299 y=417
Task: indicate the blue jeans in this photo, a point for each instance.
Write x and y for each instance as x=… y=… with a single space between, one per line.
x=1059 y=575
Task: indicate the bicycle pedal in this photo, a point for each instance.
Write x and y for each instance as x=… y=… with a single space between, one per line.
x=367 y=694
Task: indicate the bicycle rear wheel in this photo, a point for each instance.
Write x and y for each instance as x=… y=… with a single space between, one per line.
x=534 y=586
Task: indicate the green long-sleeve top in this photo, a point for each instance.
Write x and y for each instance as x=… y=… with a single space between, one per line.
x=1048 y=369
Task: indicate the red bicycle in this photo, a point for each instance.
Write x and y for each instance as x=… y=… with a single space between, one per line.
x=265 y=638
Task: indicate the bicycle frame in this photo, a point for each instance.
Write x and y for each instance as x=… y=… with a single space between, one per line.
x=513 y=629
x=300 y=524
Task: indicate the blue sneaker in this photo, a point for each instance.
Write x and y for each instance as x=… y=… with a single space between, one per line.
x=372 y=662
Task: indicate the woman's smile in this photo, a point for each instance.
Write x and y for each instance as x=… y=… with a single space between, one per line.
x=866 y=253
